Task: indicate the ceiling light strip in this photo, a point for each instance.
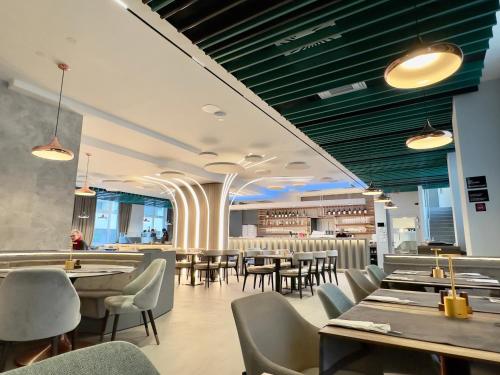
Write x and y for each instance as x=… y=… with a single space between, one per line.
x=261 y=162
x=208 y=208
x=196 y=212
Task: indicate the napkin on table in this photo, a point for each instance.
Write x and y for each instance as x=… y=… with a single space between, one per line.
x=488 y=281
x=389 y=299
x=494 y=300
x=394 y=277
x=361 y=325
x=404 y=272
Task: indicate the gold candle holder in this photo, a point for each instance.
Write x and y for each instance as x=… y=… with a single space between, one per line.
x=437 y=272
x=454 y=306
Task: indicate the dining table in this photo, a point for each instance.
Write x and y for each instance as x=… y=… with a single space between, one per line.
x=87 y=270
x=277 y=259
x=410 y=279
x=415 y=323
x=192 y=254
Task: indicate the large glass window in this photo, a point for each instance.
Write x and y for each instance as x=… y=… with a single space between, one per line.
x=106 y=222
x=154 y=218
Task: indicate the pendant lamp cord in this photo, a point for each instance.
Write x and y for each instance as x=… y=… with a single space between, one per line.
x=59 y=106
x=87 y=172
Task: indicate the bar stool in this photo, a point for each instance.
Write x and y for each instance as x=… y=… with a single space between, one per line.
x=331 y=265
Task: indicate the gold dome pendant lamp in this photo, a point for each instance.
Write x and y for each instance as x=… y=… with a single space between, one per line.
x=429 y=138
x=85 y=190
x=424 y=65
x=54 y=150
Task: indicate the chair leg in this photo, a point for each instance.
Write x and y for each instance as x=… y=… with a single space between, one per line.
x=74 y=335
x=145 y=320
x=335 y=273
x=226 y=275
x=153 y=325
x=311 y=285
x=330 y=274
x=104 y=324
x=262 y=282
x=272 y=281
x=237 y=276
x=179 y=278
x=208 y=274
x=115 y=326
x=244 y=281
x=254 y=280
x=269 y=280
x=3 y=355
x=54 y=341
x=323 y=276
x=220 y=278
x=300 y=286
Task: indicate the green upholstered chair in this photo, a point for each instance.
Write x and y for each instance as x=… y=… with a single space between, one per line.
x=361 y=287
x=376 y=274
x=334 y=301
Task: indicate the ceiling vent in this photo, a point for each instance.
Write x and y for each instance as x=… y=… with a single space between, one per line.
x=342 y=90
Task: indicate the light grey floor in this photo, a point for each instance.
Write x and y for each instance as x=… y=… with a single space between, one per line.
x=199 y=336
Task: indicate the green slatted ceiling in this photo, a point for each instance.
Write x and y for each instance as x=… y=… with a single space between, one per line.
x=131 y=198
x=287 y=51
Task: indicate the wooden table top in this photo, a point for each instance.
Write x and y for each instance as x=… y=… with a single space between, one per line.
x=87 y=270
x=426 y=329
x=274 y=256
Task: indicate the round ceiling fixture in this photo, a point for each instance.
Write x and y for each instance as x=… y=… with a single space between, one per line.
x=171 y=174
x=219 y=114
x=382 y=198
x=297 y=165
x=299 y=184
x=262 y=171
x=275 y=187
x=424 y=66
x=253 y=158
x=429 y=138
x=390 y=206
x=208 y=154
x=210 y=108
x=223 y=168
x=326 y=179
x=371 y=190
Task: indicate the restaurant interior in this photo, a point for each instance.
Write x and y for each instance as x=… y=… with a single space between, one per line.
x=249 y=187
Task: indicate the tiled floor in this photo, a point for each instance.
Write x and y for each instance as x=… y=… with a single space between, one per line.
x=199 y=336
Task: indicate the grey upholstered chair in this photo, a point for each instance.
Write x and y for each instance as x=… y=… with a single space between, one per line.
x=376 y=274
x=230 y=259
x=250 y=268
x=276 y=339
x=111 y=358
x=182 y=262
x=334 y=301
x=209 y=265
x=301 y=268
x=361 y=287
x=37 y=304
x=318 y=266
x=331 y=264
x=140 y=295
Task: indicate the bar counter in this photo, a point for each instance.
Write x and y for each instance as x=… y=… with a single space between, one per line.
x=353 y=252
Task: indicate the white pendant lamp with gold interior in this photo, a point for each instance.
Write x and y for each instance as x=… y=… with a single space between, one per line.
x=85 y=190
x=54 y=150
x=371 y=190
x=429 y=138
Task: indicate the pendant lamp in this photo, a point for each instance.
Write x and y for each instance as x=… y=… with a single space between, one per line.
x=54 y=150
x=429 y=138
x=382 y=198
x=424 y=66
x=85 y=190
x=371 y=190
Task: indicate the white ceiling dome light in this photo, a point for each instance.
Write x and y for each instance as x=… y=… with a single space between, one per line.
x=171 y=174
x=262 y=172
x=253 y=158
x=208 y=154
x=210 y=108
x=223 y=168
x=297 y=165
x=275 y=187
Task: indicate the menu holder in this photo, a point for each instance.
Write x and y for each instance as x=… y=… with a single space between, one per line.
x=437 y=272
x=454 y=306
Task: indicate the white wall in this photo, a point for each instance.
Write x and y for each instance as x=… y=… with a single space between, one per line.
x=136 y=218
x=407 y=208
x=456 y=205
x=476 y=128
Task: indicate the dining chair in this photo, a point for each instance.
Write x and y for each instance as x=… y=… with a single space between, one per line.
x=361 y=287
x=376 y=274
x=318 y=266
x=230 y=260
x=334 y=301
x=210 y=264
x=113 y=358
x=182 y=262
x=140 y=295
x=249 y=268
x=36 y=304
x=301 y=269
x=331 y=265
x=276 y=339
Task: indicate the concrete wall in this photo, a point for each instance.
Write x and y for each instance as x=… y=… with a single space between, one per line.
x=36 y=195
x=476 y=129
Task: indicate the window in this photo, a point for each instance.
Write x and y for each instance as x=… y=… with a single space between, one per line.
x=154 y=218
x=106 y=222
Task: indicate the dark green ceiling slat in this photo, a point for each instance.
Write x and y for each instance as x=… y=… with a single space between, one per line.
x=289 y=51
x=157 y=5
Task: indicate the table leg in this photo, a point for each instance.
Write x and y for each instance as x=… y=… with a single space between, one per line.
x=454 y=366
x=192 y=281
x=277 y=280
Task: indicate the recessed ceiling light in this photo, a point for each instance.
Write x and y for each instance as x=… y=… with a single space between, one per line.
x=299 y=184
x=253 y=158
x=220 y=119
x=171 y=174
x=208 y=154
x=220 y=114
x=210 y=108
x=262 y=171
x=326 y=179
x=297 y=165
x=223 y=168
x=275 y=187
